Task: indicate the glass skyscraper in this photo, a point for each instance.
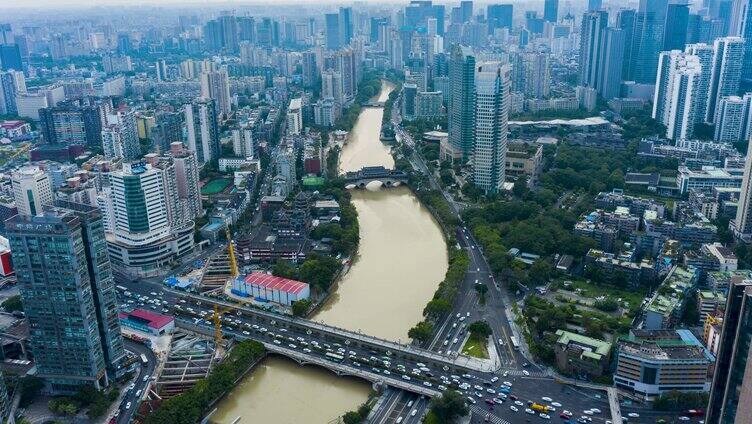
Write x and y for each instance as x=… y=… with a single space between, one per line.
x=68 y=293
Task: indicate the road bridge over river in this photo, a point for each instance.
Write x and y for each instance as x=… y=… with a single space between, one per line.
x=387 y=177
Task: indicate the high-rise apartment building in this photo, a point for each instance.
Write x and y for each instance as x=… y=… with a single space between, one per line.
x=345 y=25
x=728 y=56
x=676 y=93
x=65 y=279
x=202 y=129
x=741 y=25
x=120 y=136
x=492 y=100
x=215 y=85
x=295 y=116
x=186 y=183
x=461 y=100
x=731 y=390
x=32 y=190
x=12 y=83
x=704 y=53
x=331 y=86
x=733 y=119
x=76 y=122
x=592 y=32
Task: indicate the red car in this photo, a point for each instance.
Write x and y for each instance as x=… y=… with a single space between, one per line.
x=564 y=416
x=513 y=397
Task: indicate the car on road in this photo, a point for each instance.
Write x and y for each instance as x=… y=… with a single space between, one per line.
x=529 y=411
x=277 y=342
x=471 y=400
x=588 y=412
x=508 y=383
x=519 y=403
x=683 y=418
x=544 y=416
x=546 y=399
x=633 y=415
x=525 y=372
x=494 y=379
x=128 y=405
x=513 y=408
x=405 y=377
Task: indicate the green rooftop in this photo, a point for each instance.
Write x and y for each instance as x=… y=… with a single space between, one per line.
x=599 y=348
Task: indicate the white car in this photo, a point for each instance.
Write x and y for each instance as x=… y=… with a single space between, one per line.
x=525 y=372
x=683 y=418
x=491 y=391
x=588 y=412
x=633 y=415
x=494 y=379
x=529 y=411
x=595 y=410
x=471 y=400
x=513 y=408
x=508 y=383
x=544 y=416
x=518 y=403
x=556 y=404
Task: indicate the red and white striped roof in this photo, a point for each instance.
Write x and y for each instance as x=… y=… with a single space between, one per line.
x=271 y=282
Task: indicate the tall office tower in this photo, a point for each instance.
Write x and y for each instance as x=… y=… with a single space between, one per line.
x=728 y=57
x=149 y=229
x=648 y=38
x=593 y=26
x=168 y=129
x=295 y=116
x=492 y=99
x=733 y=119
x=466 y=10
x=731 y=390
x=346 y=27
x=499 y=16
x=611 y=62
x=6 y=33
x=8 y=92
x=215 y=85
x=676 y=93
x=741 y=25
x=32 y=190
x=625 y=20
x=409 y=100
x=203 y=130
x=229 y=29
x=594 y=5
x=705 y=53
x=123 y=43
x=677 y=19
x=310 y=68
x=331 y=20
x=461 y=100
x=10 y=57
x=418 y=12
x=246 y=28
x=68 y=293
x=551 y=10
x=187 y=181
x=160 y=68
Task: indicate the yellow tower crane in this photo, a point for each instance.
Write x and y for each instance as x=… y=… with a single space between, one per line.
x=217 y=316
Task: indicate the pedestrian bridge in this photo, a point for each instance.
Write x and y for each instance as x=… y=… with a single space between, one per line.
x=387 y=177
x=374 y=103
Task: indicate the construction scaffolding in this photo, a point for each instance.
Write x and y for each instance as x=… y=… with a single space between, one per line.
x=190 y=359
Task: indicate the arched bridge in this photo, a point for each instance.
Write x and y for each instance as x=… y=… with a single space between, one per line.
x=387 y=177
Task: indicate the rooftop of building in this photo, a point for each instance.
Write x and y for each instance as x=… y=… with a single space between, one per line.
x=149 y=318
x=597 y=348
x=270 y=282
x=664 y=345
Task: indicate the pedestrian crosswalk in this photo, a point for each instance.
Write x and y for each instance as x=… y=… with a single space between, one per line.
x=491 y=418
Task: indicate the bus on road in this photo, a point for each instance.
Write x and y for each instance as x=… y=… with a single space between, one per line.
x=334 y=357
x=515 y=343
x=144 y=360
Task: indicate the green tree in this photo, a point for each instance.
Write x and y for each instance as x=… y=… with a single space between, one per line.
x=448 y=407
x=352 y=417
x=422 y=331
x=482 y=289
x=540 y=271
x=479 y=329
x=300 y=308
x=12 y=304
x=284 y=269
